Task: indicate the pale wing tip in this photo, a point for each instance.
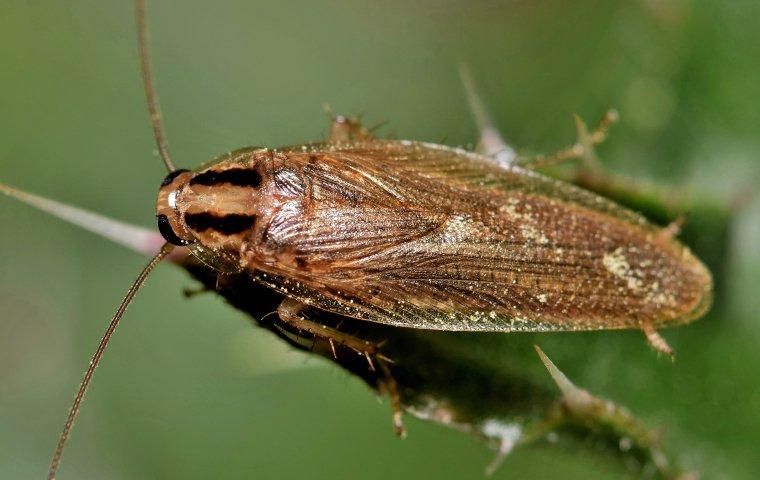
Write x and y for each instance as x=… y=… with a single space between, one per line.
x=703 y=292
x=708 y=292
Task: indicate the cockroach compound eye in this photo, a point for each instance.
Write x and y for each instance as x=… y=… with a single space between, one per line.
x=168 y=215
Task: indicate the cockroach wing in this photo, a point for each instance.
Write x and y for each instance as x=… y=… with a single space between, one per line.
x=425 y=236
x=469 y=170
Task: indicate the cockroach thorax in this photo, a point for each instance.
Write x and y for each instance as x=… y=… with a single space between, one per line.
x=215 y=206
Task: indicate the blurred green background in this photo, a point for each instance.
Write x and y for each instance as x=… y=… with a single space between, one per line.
x=188 y=389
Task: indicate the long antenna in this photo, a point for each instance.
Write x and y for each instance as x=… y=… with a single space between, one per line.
x=150 y=88
x=77 y=403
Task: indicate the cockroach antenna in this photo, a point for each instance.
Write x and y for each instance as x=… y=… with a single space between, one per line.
x=77 y=403
x=158 y=133
x=151 y=96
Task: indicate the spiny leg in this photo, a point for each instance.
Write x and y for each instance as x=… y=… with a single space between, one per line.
x=583 y=148
x=346 y=129
x=290 y=311
x=391 y=387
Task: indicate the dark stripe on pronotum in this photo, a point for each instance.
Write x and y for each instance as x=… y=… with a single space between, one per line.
x=241 y=177
x=227 y=224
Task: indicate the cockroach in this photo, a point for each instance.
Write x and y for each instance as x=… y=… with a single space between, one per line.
x=418 y=235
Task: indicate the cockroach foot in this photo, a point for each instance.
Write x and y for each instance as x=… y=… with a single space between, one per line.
x=389 y=384
x=656 y=340
x=673 y=229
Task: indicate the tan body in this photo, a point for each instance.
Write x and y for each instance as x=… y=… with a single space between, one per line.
x=428 y=236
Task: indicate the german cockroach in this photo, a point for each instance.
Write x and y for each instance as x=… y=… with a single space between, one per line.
x=418 y=235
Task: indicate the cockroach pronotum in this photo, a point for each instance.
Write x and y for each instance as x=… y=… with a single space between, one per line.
x=418 y=235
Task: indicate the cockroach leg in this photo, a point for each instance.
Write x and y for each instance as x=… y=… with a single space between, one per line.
x=582 y=149
x=656 y=340
x=673 y=229
x=290 y=311
x=346 y=129
x=391 y=387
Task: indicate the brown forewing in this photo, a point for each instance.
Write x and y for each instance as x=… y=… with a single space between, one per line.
x=427 y=236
